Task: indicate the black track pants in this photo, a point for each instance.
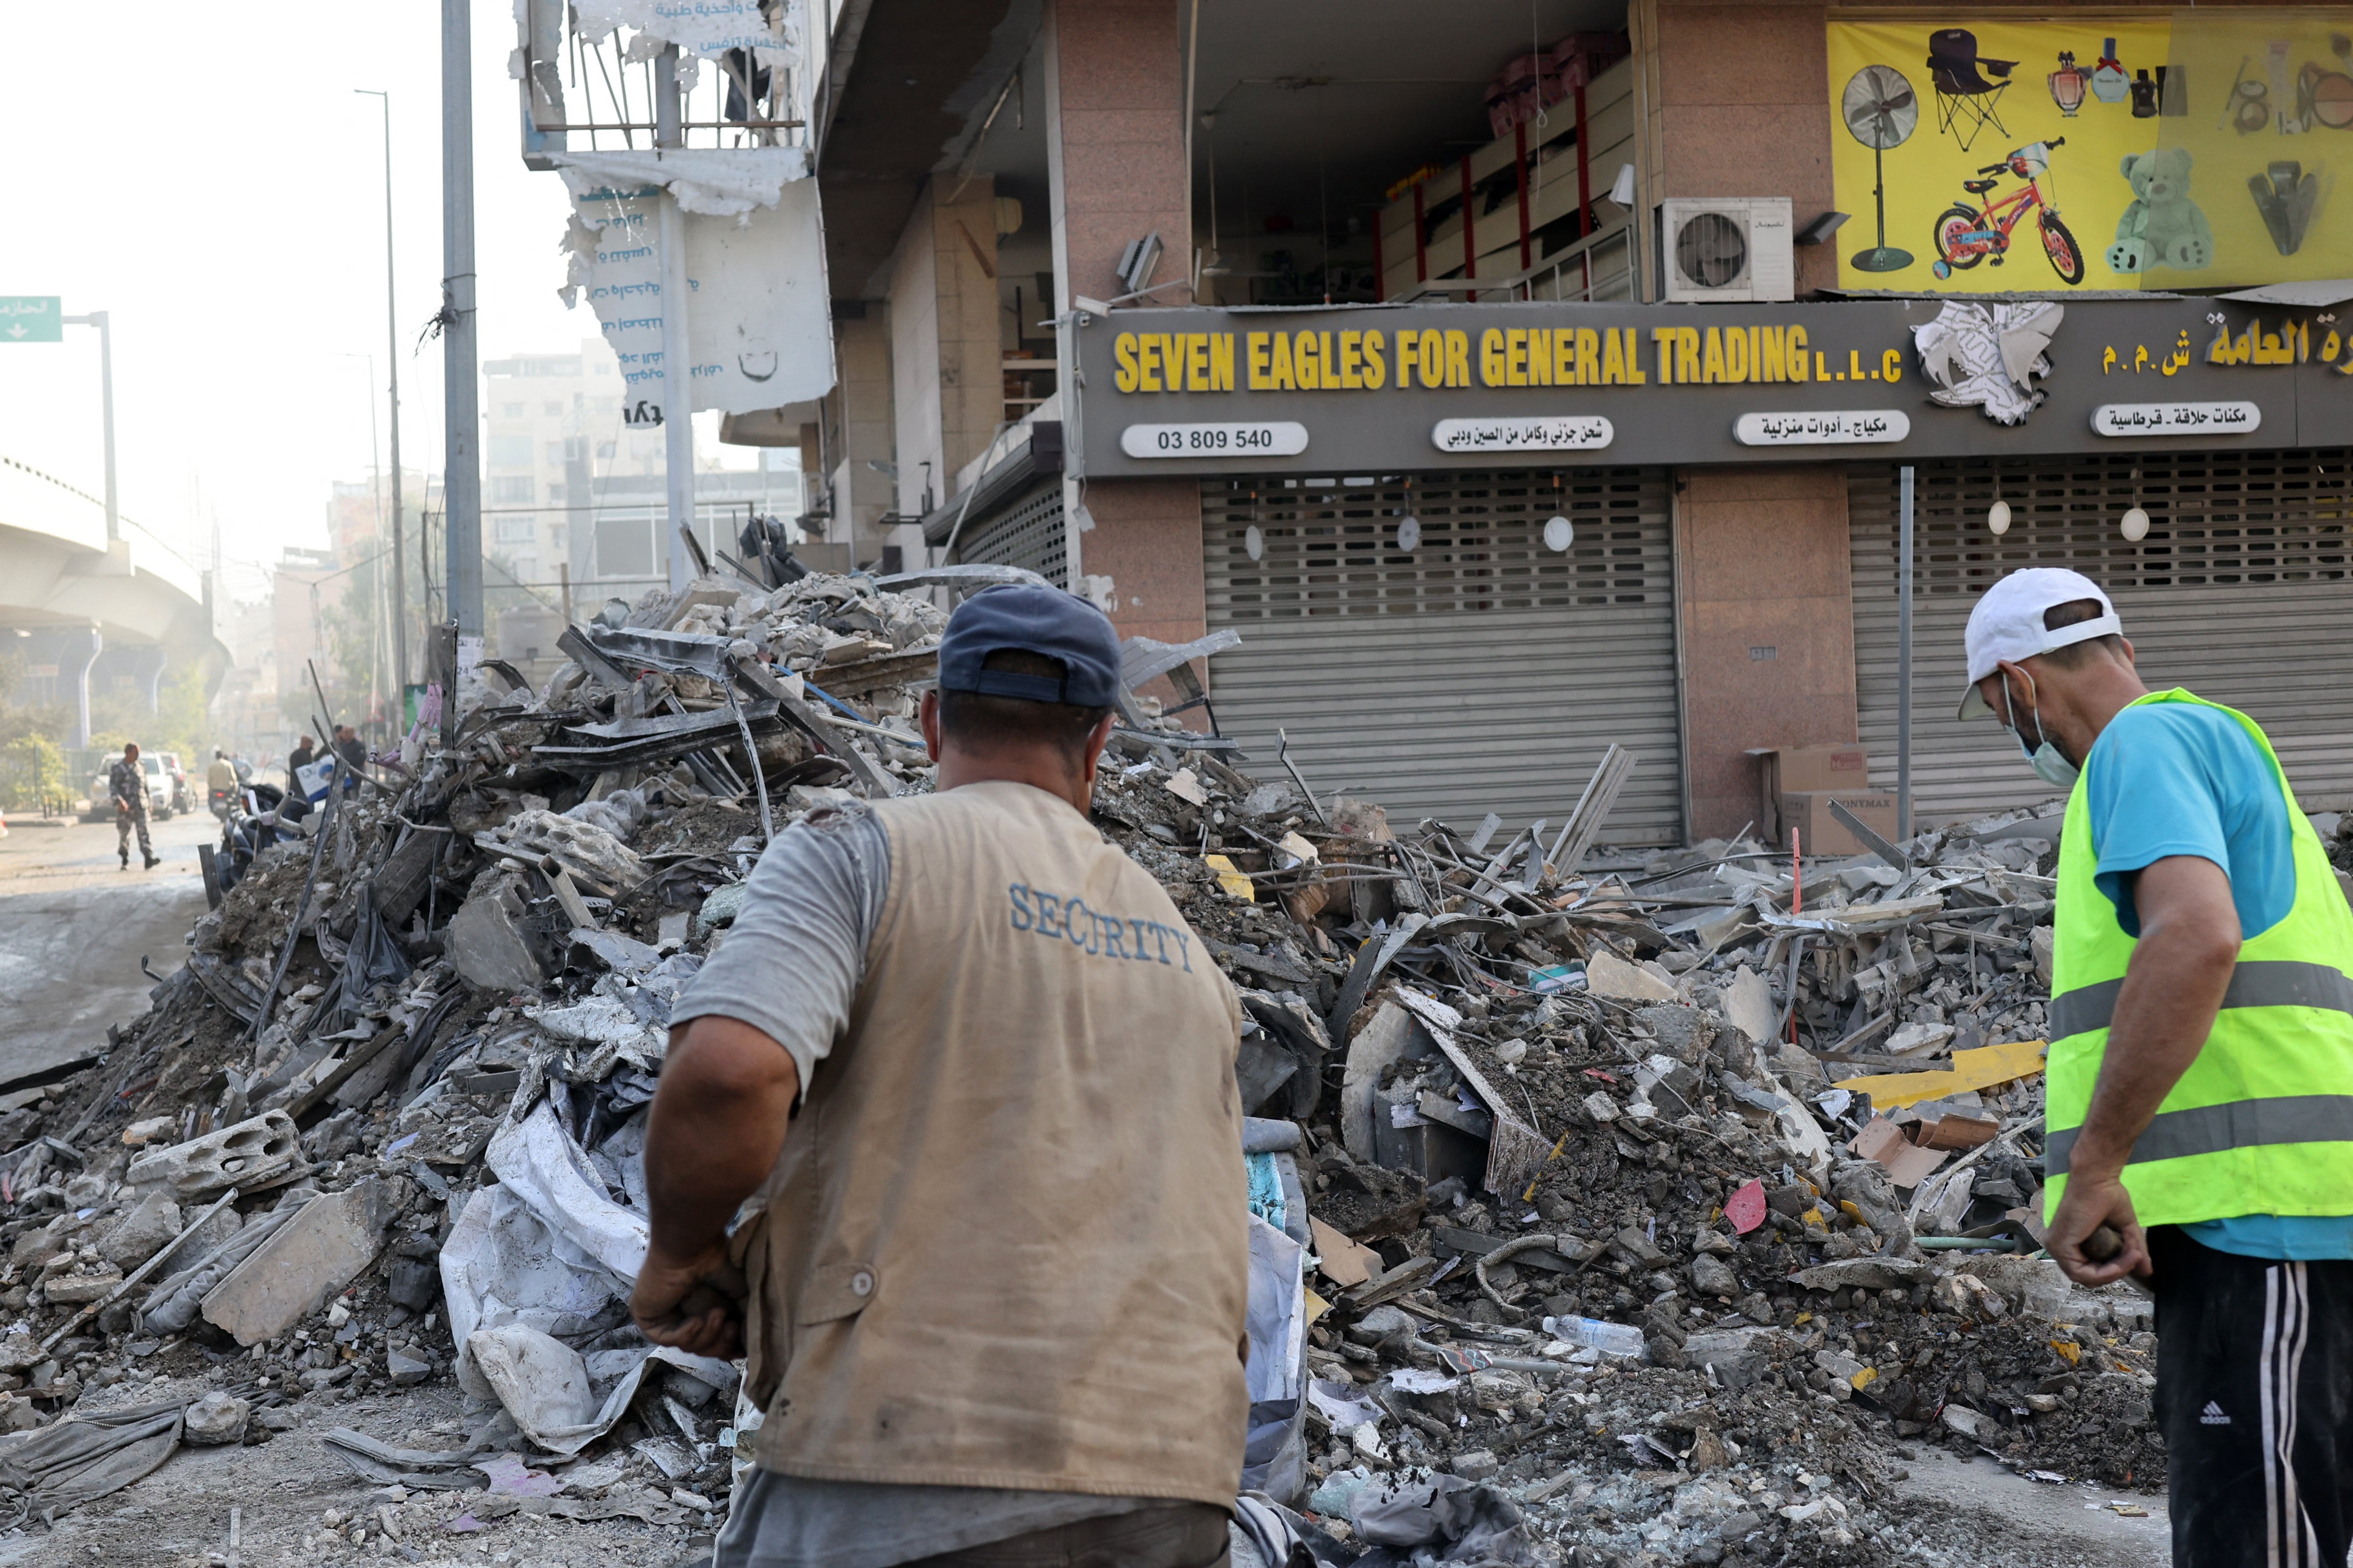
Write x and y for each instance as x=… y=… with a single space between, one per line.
x=2254 y=1390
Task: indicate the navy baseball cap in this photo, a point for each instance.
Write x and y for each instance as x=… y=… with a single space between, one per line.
x=1038 y=620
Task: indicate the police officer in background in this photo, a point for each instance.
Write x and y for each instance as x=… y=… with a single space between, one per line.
x=2201 y=1078
x=997 y=1278
x=126 y=781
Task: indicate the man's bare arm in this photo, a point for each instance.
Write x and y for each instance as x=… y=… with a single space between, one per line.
x=716 y=1128
x=2189 y=942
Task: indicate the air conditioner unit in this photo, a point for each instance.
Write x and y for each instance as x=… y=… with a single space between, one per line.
x=1726 y=248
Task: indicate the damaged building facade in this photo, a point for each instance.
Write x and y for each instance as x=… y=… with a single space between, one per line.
x=1178 y=304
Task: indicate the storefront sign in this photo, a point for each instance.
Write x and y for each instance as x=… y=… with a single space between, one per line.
x=1838 y=428
x=1283 y=438
x=2177 y=418
x=1586 y=434
x=1360 y=389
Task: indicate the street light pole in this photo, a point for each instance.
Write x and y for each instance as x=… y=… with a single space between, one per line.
x=106 y=403
x=392 y=341
x=678 y=370
x=461 y=473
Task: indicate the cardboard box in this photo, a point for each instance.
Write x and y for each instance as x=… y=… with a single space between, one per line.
x=1785 y=770
x=1808 y=811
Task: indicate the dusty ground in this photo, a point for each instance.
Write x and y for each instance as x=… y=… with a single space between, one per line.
x=286 y=1490
x=73 y=925
x=1974 y=1512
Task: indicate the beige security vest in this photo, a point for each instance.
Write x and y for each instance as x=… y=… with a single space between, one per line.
x=1007 y=1243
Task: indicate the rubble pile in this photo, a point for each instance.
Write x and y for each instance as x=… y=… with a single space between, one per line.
x=1640 y=1207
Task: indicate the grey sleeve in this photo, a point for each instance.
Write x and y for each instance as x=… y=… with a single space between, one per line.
x=791 y=964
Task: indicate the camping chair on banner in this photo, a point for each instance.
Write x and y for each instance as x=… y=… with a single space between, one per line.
x=1966 y=99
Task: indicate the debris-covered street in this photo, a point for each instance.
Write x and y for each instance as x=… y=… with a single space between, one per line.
x=1577 y=1230
x=1179 y=784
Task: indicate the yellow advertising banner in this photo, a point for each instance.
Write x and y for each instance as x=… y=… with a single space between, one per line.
x=1998 y=156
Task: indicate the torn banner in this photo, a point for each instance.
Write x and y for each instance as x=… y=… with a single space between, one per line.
x=758 y=326
x=771 y=28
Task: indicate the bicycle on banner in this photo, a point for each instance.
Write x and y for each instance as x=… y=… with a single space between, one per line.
x=1967 y=235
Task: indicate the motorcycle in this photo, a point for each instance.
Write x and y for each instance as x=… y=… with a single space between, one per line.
x=259 y=816
x=220 y=801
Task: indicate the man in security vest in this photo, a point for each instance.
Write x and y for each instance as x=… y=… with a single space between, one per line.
x=997 y=1278
x=2201 y=1078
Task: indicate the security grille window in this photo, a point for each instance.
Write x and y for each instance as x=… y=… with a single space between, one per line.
x=1028 y=533
x=1425 y=644
x=2238 y=592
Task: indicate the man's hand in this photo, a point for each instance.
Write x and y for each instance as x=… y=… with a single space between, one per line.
x=714 y=1135
x=2092 y=1201
x=694 y=1304
x=122 y=806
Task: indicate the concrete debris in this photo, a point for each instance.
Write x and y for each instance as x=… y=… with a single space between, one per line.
x=217 y=1420
x=1638 y=1205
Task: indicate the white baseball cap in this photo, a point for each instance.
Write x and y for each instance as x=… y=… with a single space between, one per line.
x=2007 y=624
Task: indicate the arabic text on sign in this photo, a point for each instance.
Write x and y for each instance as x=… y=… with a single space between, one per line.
x=1829 y=427
x=1276 y=439
x=1560 y=433
x=2177 y=418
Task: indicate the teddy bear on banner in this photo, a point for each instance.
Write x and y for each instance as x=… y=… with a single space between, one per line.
x=2163 y=228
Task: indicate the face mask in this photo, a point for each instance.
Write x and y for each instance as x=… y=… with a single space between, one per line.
x=2049 y=765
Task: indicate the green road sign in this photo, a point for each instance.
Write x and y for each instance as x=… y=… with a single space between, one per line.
x=31 y=319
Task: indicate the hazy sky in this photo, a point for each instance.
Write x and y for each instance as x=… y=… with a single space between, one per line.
x=224 y=201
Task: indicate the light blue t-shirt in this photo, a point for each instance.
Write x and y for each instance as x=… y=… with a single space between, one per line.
x=2178 y=778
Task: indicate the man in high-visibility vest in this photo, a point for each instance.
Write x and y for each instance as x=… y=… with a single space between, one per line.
x=2200 y=1080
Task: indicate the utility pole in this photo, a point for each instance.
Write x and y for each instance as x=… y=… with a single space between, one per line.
x=1903 y=664
x=392 y=342
x=678 y=390
x=461 y=475
x=106 y=405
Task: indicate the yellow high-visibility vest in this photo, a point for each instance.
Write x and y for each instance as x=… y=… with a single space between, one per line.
x=2263 y=1122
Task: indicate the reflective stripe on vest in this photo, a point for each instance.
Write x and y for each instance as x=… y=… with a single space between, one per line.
x=2262 y=1121
x=2276 y=984
x=2240 y=1124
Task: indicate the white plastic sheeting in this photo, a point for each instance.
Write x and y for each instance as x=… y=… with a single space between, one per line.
x=705 y=28
x=1274 y=1458
x=727 y=182
x=564 y=1400
x=545 y=1247
x=540 y=1257
x=759 y=326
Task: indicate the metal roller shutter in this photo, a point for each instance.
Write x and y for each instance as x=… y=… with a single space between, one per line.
x=2238 y=593
x=1479 y=672
x=1029 y=533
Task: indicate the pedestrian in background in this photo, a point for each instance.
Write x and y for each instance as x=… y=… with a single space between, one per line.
x=220 y=782
x=353 y=751
x=302 y=757
x=2201 y=1099
x=126 y=781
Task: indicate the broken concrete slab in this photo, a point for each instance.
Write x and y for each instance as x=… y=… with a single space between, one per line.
x=1386 y=1039
x=1749 y=1005
x=150 y=1226
x=309 y=1258
x=486 y=943
x=241 y=1155
x=1606 y=975
x=86 y=1283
